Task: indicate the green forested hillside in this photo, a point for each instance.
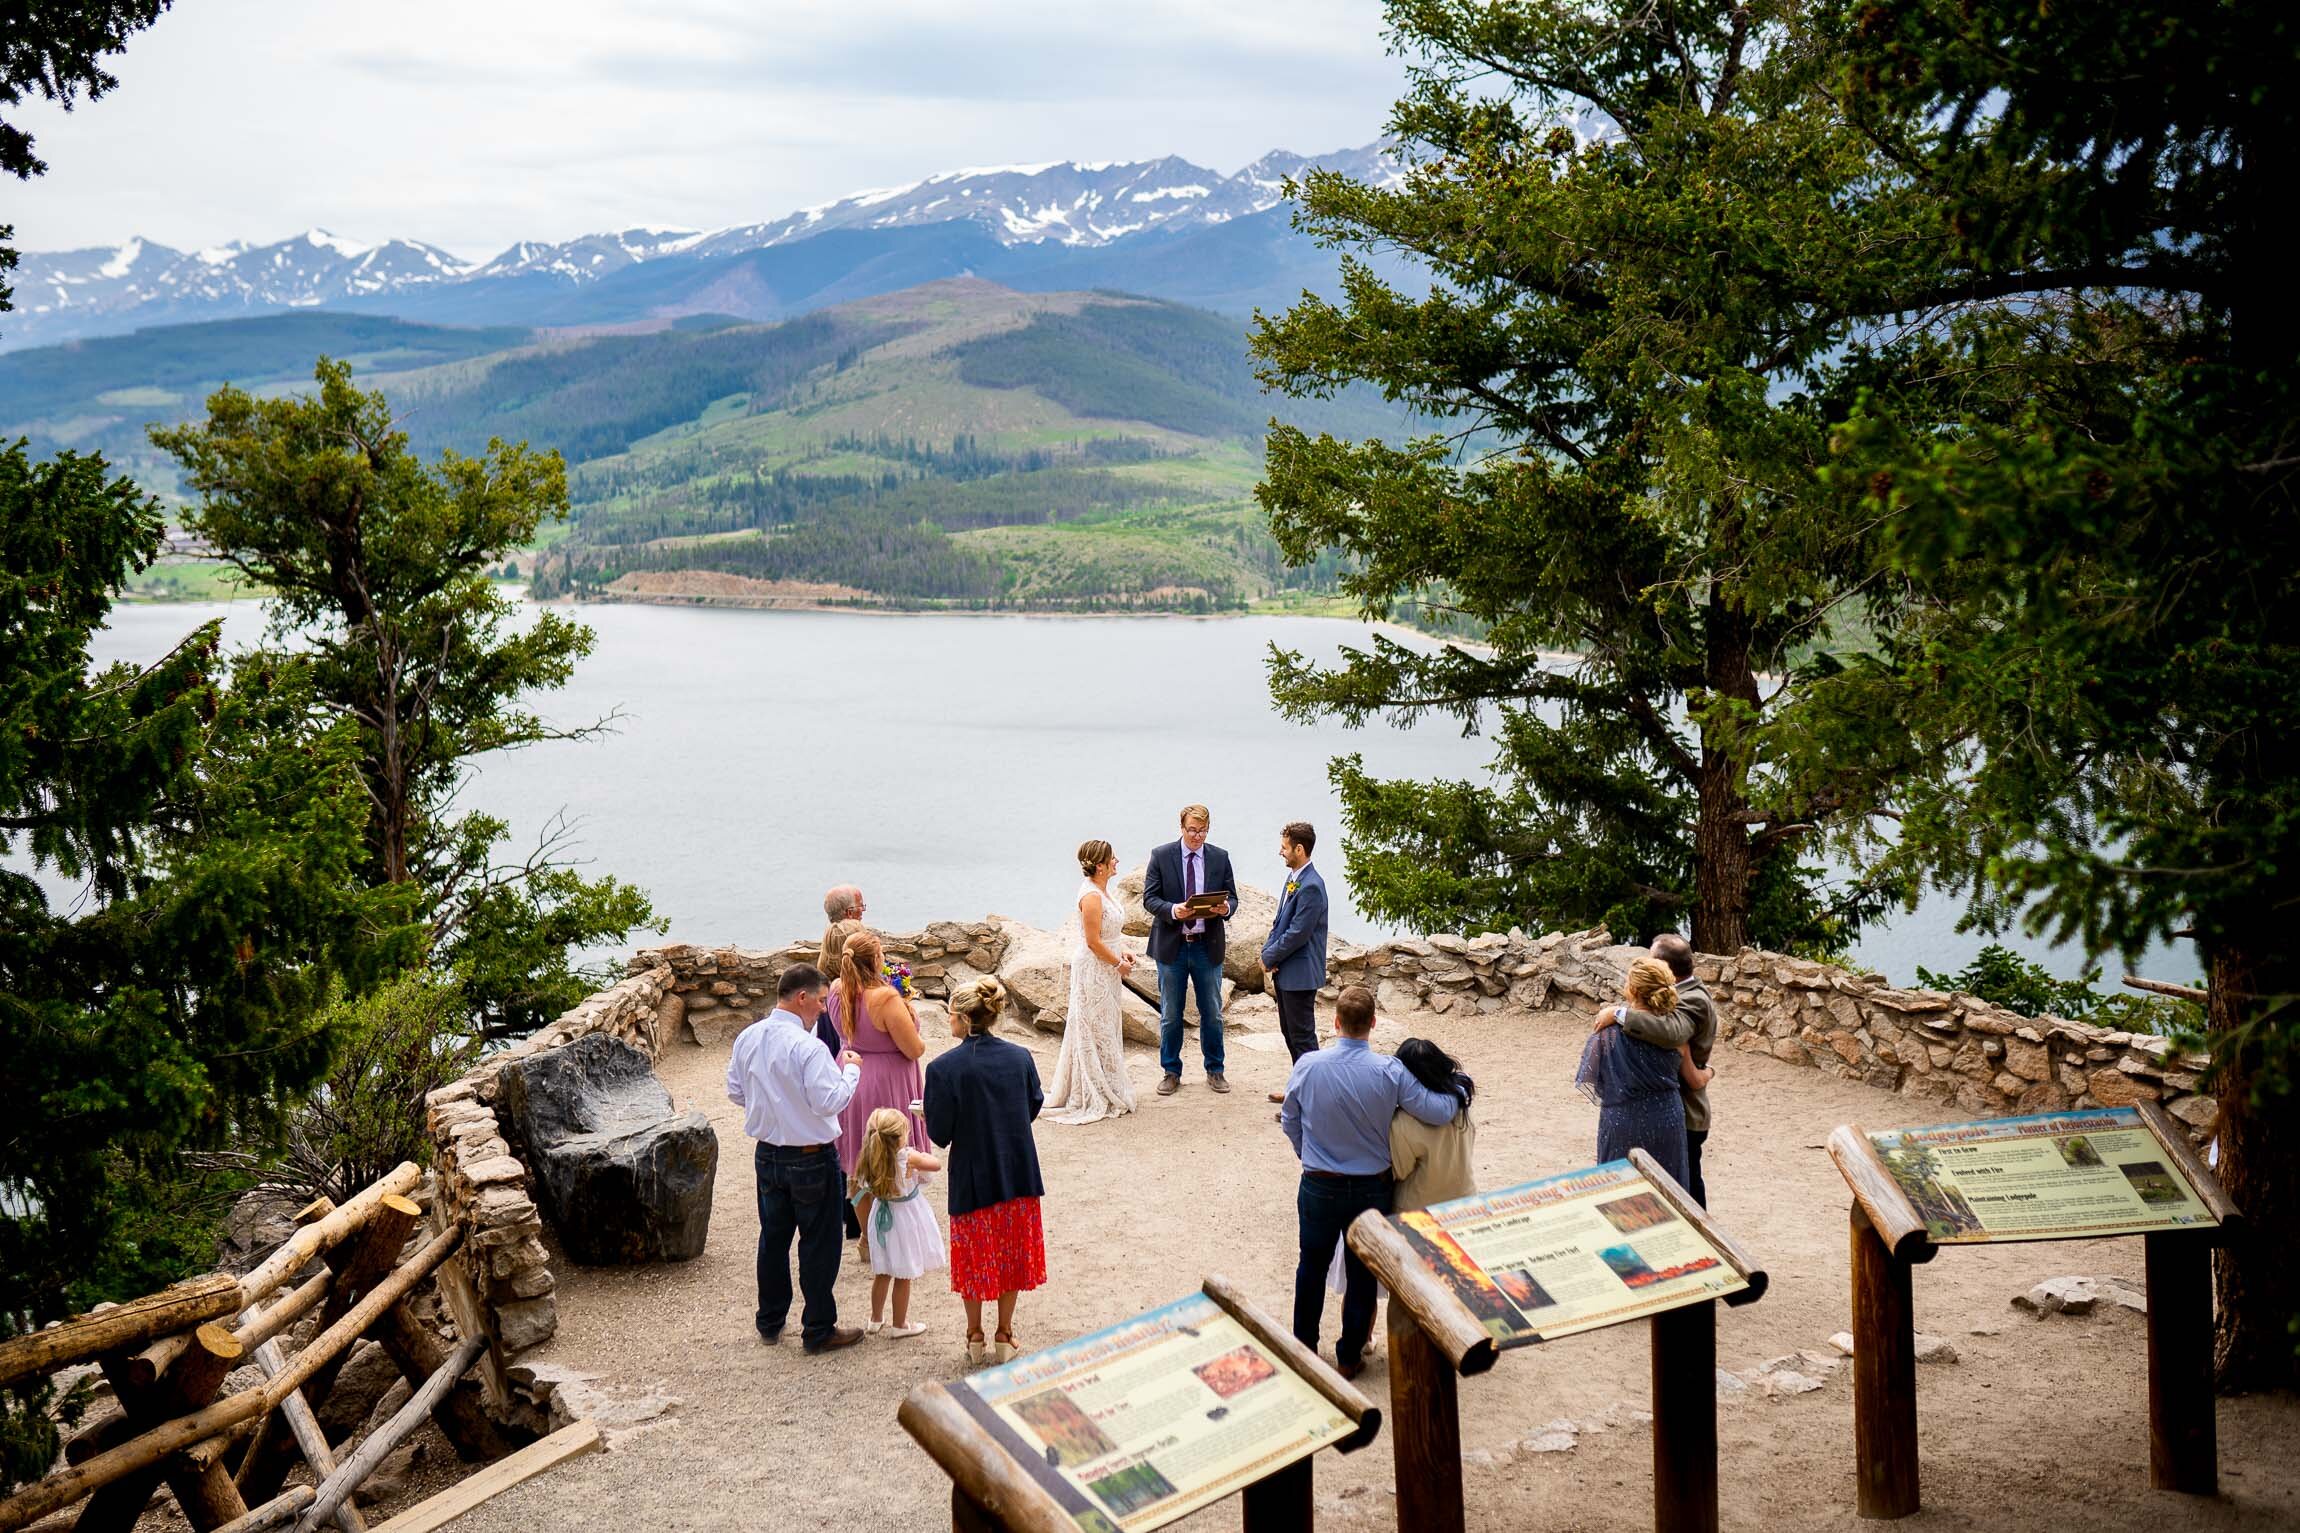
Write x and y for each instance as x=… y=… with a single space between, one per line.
x=956 y=443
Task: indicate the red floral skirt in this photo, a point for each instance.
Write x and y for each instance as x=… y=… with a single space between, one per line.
x=995 y=1250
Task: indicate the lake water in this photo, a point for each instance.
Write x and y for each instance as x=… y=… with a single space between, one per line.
x=947 y=765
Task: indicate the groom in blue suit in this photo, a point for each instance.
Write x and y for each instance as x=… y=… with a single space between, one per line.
x=1295 y=956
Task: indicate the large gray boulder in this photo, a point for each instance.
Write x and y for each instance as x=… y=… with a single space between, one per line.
x=1035 y=969
x=621 y=1175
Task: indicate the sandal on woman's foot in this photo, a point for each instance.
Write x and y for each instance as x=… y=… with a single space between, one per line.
x=977 y=1353
x=1002 y=1349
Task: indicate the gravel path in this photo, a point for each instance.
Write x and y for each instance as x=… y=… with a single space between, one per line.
x=2040 y=1425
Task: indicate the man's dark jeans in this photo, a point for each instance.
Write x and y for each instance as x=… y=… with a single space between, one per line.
x=1694 y=1140
x=800 y=1192
x=1203 y=972
x=1326 y=1205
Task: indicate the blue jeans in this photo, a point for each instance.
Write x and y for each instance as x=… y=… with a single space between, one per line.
x=1204 y=973
x=1326 y=1205
x=799 y=1194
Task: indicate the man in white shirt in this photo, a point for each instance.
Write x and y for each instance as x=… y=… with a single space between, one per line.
x=791 y=1095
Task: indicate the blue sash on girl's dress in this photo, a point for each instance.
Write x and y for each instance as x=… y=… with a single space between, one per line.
x=882 y=1214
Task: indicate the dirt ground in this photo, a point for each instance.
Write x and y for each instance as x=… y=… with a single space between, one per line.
x=2039 y=1425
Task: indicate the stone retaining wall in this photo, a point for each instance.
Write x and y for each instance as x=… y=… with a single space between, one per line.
x=1956 y=1050
x=712 y=993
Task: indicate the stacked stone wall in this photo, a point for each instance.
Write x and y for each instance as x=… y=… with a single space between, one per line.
x=1953 y=1049
x=709 y=994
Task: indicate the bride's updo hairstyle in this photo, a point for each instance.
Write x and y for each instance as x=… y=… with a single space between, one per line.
x=978 y=1003
x=1092 y=854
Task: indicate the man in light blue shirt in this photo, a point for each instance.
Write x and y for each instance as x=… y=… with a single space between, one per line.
x=791 y=1095
x=1339 y=1102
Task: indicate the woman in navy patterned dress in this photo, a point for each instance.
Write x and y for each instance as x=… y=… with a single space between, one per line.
x=1636 y=1084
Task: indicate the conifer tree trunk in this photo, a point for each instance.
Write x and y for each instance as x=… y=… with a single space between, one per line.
x=2256 y=1280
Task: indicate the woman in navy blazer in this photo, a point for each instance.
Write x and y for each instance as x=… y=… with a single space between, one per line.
x=980 y=1100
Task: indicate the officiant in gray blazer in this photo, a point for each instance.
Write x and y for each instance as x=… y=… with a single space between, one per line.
x=1188 y=948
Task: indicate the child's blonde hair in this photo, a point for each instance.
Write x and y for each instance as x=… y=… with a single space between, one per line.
x=878 y=1166
x=1650 y=987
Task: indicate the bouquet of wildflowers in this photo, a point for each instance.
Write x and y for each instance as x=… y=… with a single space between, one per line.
x=897 y=975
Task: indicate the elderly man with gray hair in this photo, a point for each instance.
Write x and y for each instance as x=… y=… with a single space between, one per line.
x=843 y=903
x=1694 y=1025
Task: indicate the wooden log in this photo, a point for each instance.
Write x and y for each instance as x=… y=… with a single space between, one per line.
x=1315 y=1370
x=967 y=1516
x=1685 y=1418
x=122 y=1328
x=335 y=1490
x=204 y=1492
x=1884 y=1376
x=274 y=1513
x=308 y=1435
x=472 y=1319
x=330 y=1344
x=325 y=1233
x=255 y=1328
x=2183 y=1435
x=1444 y=1320
x=2174 y=1138
x=460 y=1413
x=566 y=1443
x=981 y=1472
x=1425 y=1425
x=2177 y=992
x=66 y=1486
x=61 y=1489
x=1284 y=1500
x=1736 y=1256
x=380 y=1240
x=1892 y=1217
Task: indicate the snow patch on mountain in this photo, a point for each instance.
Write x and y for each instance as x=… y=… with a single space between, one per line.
x=61 y=294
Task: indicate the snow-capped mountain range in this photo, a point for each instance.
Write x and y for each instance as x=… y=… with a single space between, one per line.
x=64 y=294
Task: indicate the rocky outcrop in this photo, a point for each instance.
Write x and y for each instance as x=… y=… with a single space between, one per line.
x=1242 y=950
x=1035 y=969
x=624 y=1176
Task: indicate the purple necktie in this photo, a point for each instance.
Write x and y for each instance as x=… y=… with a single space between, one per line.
x=1190 y=887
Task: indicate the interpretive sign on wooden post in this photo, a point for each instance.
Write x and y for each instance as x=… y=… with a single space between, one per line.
x=1135 y=1426
x=2075 y=1175
x=1545 y=1259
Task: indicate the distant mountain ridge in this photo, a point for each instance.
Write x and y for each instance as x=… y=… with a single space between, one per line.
x=1027 y=221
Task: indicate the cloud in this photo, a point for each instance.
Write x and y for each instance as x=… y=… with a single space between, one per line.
x=474 y=125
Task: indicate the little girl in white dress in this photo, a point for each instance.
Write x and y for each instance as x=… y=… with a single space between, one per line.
x=900 y=1240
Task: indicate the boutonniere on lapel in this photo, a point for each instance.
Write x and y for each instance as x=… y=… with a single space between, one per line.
x=1292 y=884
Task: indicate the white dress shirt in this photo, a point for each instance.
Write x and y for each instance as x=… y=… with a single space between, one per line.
x=786 y=1083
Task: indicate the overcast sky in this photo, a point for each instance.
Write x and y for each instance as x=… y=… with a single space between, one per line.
x=473 y=123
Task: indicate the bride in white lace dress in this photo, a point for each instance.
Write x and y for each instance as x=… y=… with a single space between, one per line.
x=1090 y=1077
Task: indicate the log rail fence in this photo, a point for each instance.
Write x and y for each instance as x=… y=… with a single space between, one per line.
x=351 y=1270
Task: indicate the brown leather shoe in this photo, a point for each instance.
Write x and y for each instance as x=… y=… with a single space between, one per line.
x=1170 y=1085
x=1217 y=1081
x=1277 y=1096
x=840 y=1336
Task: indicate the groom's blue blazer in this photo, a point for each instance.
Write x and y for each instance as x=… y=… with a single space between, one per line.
x=1162 y=888
x=1295 y=955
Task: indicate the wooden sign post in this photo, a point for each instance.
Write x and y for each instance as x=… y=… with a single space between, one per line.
x=2059 y=1176
x=1143 y=1423
x=1572 y=1253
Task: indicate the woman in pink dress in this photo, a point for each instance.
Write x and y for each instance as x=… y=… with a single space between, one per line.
x=881 y=1027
